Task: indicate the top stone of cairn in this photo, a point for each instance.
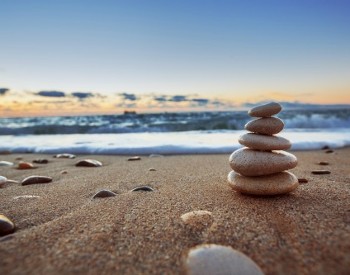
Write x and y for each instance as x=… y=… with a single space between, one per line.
x=265 y=110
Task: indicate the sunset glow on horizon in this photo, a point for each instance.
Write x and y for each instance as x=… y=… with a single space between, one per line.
x=104 y=57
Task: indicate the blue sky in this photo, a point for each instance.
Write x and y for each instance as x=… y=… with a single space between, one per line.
x=237 y=50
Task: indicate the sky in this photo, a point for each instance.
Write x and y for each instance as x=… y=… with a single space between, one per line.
x=90 y=57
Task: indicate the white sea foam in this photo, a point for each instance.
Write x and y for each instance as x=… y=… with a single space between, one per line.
x=191 y=142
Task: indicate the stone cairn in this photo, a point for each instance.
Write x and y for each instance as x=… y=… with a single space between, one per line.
x=259 y=168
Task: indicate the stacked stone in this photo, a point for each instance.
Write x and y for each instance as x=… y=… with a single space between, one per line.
x=260 y=167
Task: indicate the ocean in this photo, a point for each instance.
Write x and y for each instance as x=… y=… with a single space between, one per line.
x=167 y=133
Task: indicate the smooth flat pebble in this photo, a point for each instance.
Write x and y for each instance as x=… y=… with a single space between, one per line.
x=323 y=163
x=25 y=165
x=329 y=151
x=263 y=142
x=5 y=163
x=88 y=163
x=265 y=110
x=198 y=219
x=41 y=161
x=104 y=194
x=3 y=180
x=152 y=169
x=275 y=184
x=320 y=172
x=134 y=158
x=265 y=125
x=36 y=180
x=249 y=162
x=142 y=188
x=65 y=156
x=6 y=225
x=302 y=180
x=212 y=259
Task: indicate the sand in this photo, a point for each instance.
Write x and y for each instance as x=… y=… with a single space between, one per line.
x=65 y=231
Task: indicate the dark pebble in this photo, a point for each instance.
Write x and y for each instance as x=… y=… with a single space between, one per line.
x=134 y=158
x=41 y=161
x=143 y=188
x=323 y=163
x=36 y=180
x=104 y=194
x=329 y=151
x=302 y=180
x=6 y=225
x=88 y=163
x=320 y=172
x=152 y=169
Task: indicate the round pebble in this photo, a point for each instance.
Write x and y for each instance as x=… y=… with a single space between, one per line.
x=275 y=184
x=263 y=142
x=250 y=162
x=265 y=125
x=25 y=165
x=104 y=194
x=3 y=180
x=212 y=259
x=36 y=180
x=5 y=163
x=198 y=220
x=265 y=110
x=6 y=226
x=88 y=163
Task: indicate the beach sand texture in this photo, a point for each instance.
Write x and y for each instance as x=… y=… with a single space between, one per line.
x=65 y=231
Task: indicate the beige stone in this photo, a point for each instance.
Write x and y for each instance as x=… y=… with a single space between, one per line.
x=249 y=162
x=265 y=110
x=6 y=225
x=275 y=184
x=265 y=125
x=25 y=165
x=212 y=259
x=263 y=142
x=198 y=220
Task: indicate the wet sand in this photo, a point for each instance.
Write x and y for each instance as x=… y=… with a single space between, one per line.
x=65 y=231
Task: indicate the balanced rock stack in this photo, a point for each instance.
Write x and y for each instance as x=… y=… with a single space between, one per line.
x=260 y=167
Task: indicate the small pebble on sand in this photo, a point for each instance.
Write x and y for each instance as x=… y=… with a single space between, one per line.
x=320 y=172
x=152 y=169
x=6 y=225
x=198 y=220
x=329 y=151
x=41 y=161
x=5 y=163
x=302 y=180
x=217 y=259
x=88 y=163
x=26 y=197
x=143 y=188
x=3 y=180
x=134 y=158
x=64 y=172
x=36 y=180
x=323 y=163
x=65 y=156
x=104 y=194
x=25 y=165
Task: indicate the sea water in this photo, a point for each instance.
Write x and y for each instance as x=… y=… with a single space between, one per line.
x=167 y=133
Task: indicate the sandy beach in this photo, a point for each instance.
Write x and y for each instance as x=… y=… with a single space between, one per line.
x=62 y=230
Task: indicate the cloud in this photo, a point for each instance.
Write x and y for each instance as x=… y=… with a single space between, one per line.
x=200 y=101
x=51 y=93
x=82 y=95
x=178 y=98
x=126 y=96
x=3 y=91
